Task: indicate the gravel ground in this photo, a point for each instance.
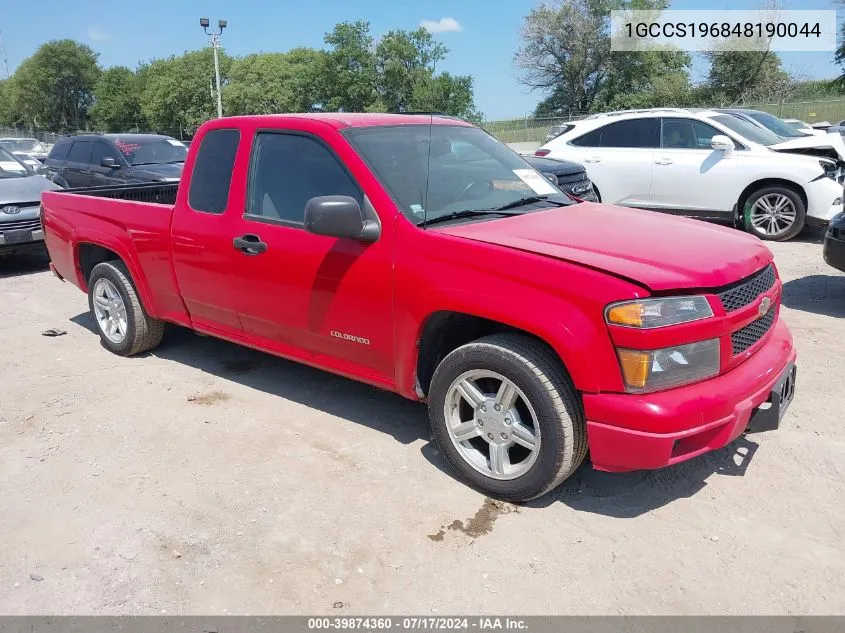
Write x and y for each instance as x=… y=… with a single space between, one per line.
x=205 y=478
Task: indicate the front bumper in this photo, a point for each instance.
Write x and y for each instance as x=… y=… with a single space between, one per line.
x=821 y=195
x=834 y=252
x=632 y=432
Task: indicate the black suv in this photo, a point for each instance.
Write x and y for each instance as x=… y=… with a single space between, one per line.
x=91 y=160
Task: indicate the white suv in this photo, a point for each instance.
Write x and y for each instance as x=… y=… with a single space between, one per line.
x=708 y=164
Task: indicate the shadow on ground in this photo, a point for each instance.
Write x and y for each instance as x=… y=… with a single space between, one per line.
x=16 y=265
x=376 y=409
x=819 y=294
x=629 y=495
x=621 y=495
x=810 y=235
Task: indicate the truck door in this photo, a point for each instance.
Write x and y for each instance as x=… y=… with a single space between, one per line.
x=328 y=297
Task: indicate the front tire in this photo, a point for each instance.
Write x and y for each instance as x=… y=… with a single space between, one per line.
x=507 y=417
x=774 y=213
x=124 y=326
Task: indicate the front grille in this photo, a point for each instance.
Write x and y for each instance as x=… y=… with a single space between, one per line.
x=742 y=339
x=748 y=290
x=33 y=224
x=578 y=187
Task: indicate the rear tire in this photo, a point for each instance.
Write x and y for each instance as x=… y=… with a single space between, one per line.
x=489 y=447
x=774 y=213
x=124 y=326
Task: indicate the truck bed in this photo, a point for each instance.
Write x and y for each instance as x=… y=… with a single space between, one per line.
x=154 y=193
x=129 y=222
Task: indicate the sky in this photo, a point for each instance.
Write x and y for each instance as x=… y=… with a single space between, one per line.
x=482 y=35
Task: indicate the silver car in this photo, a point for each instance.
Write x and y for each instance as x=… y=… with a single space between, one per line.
x=20 y=206
x=30 y=146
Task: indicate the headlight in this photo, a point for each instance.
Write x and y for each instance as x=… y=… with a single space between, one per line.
x=652 y=370
x=831 y=169
x=651 y=313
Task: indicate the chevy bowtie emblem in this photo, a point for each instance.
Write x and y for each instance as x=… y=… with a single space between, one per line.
x=765 y=304
x=11 y=209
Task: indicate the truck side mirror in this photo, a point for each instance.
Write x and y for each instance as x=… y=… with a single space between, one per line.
x=109 y=162
x=339 y=216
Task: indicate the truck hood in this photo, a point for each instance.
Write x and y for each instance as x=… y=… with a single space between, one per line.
x=26 y=189
x=824 y=146
x=660 y=252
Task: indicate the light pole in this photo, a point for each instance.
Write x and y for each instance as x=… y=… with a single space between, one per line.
x=214 y=38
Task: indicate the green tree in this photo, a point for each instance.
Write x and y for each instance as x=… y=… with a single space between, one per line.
x=646 y=79
x=266 y=83
x=348 y=69
x=178 y=91
x=7 y=112
x=404 y=60
x=54 y=88
x=740 y=76
x=117 y=104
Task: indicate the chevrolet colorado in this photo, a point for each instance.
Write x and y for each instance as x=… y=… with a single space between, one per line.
x=535 y=326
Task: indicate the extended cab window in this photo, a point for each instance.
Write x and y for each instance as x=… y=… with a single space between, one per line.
x=637 y=133
x=288 y=170
x=80 y=152
x=212 y=173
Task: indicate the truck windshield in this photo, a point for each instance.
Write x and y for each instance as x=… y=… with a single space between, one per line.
x=11 y=167
x=433 y=171
x=151 y=151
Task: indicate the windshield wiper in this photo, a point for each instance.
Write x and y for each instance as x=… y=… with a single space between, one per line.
x=467 y=213
x=529 y=200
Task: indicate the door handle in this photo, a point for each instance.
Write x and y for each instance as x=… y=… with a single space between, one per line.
x=592 y=159
x=663 y=161
x=249 y=244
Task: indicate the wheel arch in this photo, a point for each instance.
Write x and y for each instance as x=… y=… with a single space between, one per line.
x=90 y=250
x=446 y=330
x=768 y=182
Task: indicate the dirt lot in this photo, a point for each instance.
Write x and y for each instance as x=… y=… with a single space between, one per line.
x=207 y=478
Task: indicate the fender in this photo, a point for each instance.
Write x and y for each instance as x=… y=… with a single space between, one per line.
x=122 y=245
x=576 y=342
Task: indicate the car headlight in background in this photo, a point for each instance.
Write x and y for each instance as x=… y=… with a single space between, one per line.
x=653 y=370
x=832 y=170
x=660 y=312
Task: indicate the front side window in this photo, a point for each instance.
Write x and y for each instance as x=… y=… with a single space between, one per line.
x=101 y=151
x=686 y=134
x=631 y=133
x=80 y=152
x=288 y=170
x=433 y=171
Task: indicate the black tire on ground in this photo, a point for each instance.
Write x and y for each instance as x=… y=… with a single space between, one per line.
x=537 y=371
x=143 y=332
x=787 y=234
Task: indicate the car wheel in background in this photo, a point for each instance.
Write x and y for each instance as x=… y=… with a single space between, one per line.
x=774 y=213
x=125 y=327
x=506 y=416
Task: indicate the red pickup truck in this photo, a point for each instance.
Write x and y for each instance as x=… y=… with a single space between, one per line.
x=418 y=254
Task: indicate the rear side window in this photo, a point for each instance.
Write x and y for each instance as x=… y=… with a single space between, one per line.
x=290 y=169
x=80 y=152
x=212 y=173
x=60 y=151
x=637 y=133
